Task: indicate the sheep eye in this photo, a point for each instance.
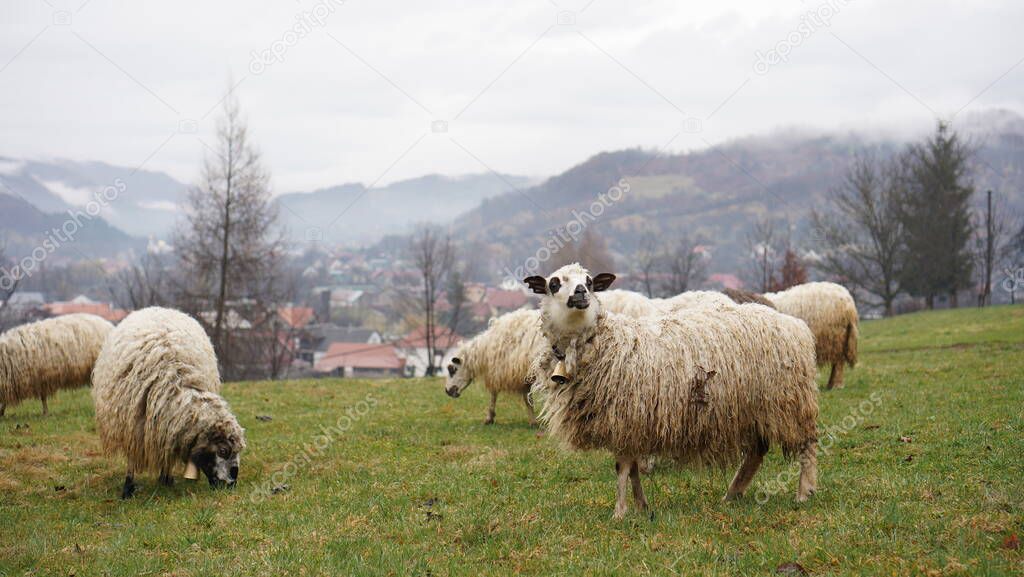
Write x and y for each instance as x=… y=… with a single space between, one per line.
x=554 y=284
x=590 y=282
x=224 y=452
x=451 y=370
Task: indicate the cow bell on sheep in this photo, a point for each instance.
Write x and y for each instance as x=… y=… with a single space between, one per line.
x=191 y=471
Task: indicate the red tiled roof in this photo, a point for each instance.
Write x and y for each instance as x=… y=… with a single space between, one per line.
x=726 y=280
x=296 y=317
x=359 y=356
x=101 y=310
x=505 y=299
x=417 y=339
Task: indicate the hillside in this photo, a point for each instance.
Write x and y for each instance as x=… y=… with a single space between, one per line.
x=353 y=214
x=716 y=194
x=922 y=478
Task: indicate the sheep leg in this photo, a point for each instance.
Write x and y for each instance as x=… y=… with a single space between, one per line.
x=836 y=378
x=166 y=479
x=808 y=472
x=746 y=472
x=46 y=410
x=129 y=483
x=529 y=409
x=638 y=490
x=490 y=409
x=623 y=466
x=3 y=408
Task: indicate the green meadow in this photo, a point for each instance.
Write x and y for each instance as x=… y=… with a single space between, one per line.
x=923 y=475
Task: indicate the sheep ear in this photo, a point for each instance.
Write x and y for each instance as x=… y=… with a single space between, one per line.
x=603 y=281
x=456 y=361
x=709 y=374
x=537 y=284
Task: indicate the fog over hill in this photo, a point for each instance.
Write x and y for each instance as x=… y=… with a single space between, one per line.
x=715 y=194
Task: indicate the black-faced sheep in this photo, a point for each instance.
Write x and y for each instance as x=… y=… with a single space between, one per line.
x=501 y=357
x=830 y=312
x=708 y=385
x=156 y=389
x=41 y=358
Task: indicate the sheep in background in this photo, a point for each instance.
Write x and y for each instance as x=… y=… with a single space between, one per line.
x=501 y=356
x=830 y=312
x=156 y=389
x=41 y=358
x=636 y=305
x=741 y=296
x=705 y=386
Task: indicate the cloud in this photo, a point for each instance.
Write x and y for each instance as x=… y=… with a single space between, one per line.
x=354 y=99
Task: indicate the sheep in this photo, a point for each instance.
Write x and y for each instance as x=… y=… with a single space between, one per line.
x=830 y=312
x=741 y=296
x=156 y=390
x=636 y=305
x=41 y=358
x=703 y=386
x=501 y=356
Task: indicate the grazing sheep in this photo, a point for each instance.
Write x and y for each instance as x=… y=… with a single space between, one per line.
x=705 y=386
x=41 y=358
x=501 y=356
x=636 y=305
x=741 y=296
x=830 y=312
x=156 y=389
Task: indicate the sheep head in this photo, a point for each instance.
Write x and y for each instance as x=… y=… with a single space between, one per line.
x=217 y=452
x=459 y=377
x=569 y=301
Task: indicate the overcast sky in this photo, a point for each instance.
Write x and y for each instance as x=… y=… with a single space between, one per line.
x=527 y=87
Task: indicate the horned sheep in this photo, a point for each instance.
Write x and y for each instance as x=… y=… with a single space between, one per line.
x=156 y=388
x=831 y=313
x=38 y=359
x=706 y=386
x=501 y=357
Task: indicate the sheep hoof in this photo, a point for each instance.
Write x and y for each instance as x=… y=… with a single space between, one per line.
x=167 y=480
x=732 y=497
x=129 y=488
x=489 y=421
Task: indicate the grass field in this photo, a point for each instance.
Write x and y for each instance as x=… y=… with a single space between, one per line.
x=925 y=476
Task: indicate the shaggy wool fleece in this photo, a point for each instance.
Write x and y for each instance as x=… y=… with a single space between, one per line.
x=41 y=358
x=156 y=390
x=830 y=312
x=701 y=385
x=502 y=355
x=636 y=305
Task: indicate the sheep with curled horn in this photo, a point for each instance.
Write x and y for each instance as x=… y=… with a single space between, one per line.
x=831 y=313
x=711 y=386
x=38 y=359
x=156 y=388
x=501 y=357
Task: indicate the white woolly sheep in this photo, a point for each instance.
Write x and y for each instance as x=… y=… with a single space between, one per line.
x=156 y=389
x=830 y=312
x=501 y=356
x=41 y=358
x=636 y=305
x=707 y=386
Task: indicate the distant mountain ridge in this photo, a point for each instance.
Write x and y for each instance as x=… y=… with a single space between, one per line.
x=716 y=194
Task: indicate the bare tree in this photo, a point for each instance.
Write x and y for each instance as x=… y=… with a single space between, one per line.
x=861 y=233
x=230 y=249
x=8 y=284
x=762 y=243
x=687 y=267
x=433 y=255
x=590 y=250
x=994 y=245
x=143 y=284
x=648 y=259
